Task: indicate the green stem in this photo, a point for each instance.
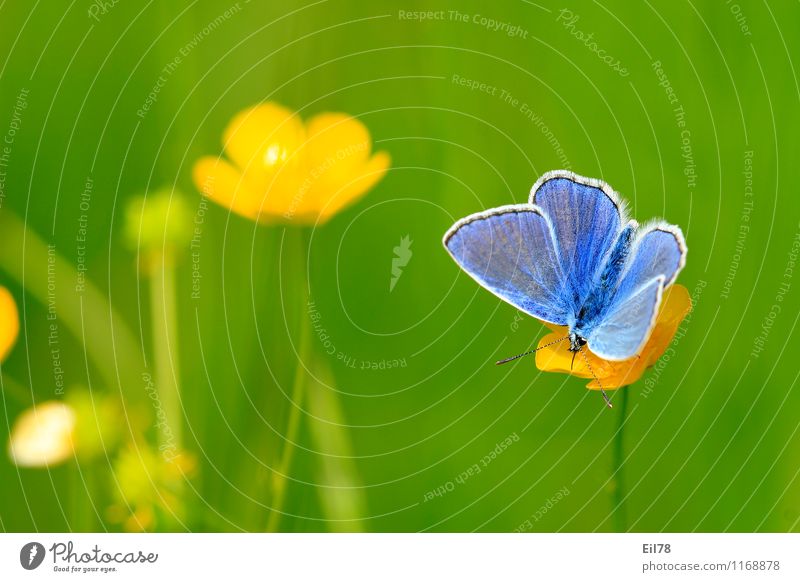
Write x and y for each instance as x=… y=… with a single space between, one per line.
x=280 y=477
x=620 y=518
x=340 y=492
x=165 y=344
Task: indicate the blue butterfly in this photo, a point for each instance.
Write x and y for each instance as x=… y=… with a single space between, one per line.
x=571 y=257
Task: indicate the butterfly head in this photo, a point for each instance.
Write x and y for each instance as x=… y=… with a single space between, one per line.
x=576 y=342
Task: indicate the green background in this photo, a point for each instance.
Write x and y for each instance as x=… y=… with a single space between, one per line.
x=712 y=447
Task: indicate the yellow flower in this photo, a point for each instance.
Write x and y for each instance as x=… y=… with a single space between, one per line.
x=160 y=219
x=159 y=225
x=9 y=329
x=43 y=435
x=557 y=357
x=281 y=169
x=148 y=488
x=52 y=432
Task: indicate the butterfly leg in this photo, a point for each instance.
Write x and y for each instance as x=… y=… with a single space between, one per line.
x=602 y=391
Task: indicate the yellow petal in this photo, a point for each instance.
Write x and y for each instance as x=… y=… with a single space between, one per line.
x=677 y=303
x=264 y=138
x=42 y=435
x=9 y=322
x=339 y=167
x=224 y=184
x=265 y=143
x=338 y=145
x=361 y=182
x=557 y=358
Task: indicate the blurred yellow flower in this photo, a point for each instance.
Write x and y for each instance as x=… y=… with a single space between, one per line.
x=54 y=431
x=148 y=488
x=158 y=225
x=557 y=357
x=43 y=435
x=280 y=169
x=9 y=322
x=160 y=218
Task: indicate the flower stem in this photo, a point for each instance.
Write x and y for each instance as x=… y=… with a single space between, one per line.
x=340 y=489
x=618 y=500
x=165 y=345
x=280 y=477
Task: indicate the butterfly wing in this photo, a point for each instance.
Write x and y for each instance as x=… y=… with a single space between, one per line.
x=511 y=252
x=624 y=330
x=587 y=216
x=659 y=250
x=657 y=256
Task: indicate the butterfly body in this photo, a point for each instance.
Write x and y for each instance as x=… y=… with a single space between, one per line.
x=571 y=257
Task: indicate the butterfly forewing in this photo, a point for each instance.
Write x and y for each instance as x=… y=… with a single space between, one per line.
x=510 y=251
x=586 y=222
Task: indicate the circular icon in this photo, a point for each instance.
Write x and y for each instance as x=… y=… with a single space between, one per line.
x=31 y=555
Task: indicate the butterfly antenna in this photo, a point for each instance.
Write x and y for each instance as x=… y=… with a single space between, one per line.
x=596 y=379
x=518 y=356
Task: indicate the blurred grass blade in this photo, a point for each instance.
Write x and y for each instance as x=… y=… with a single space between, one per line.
x=342 y=496
x=86 y=313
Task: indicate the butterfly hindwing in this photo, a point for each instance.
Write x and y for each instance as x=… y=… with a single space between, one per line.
x=625 y=328
x=659 y=250
x=658 y=254
x=510 y=251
